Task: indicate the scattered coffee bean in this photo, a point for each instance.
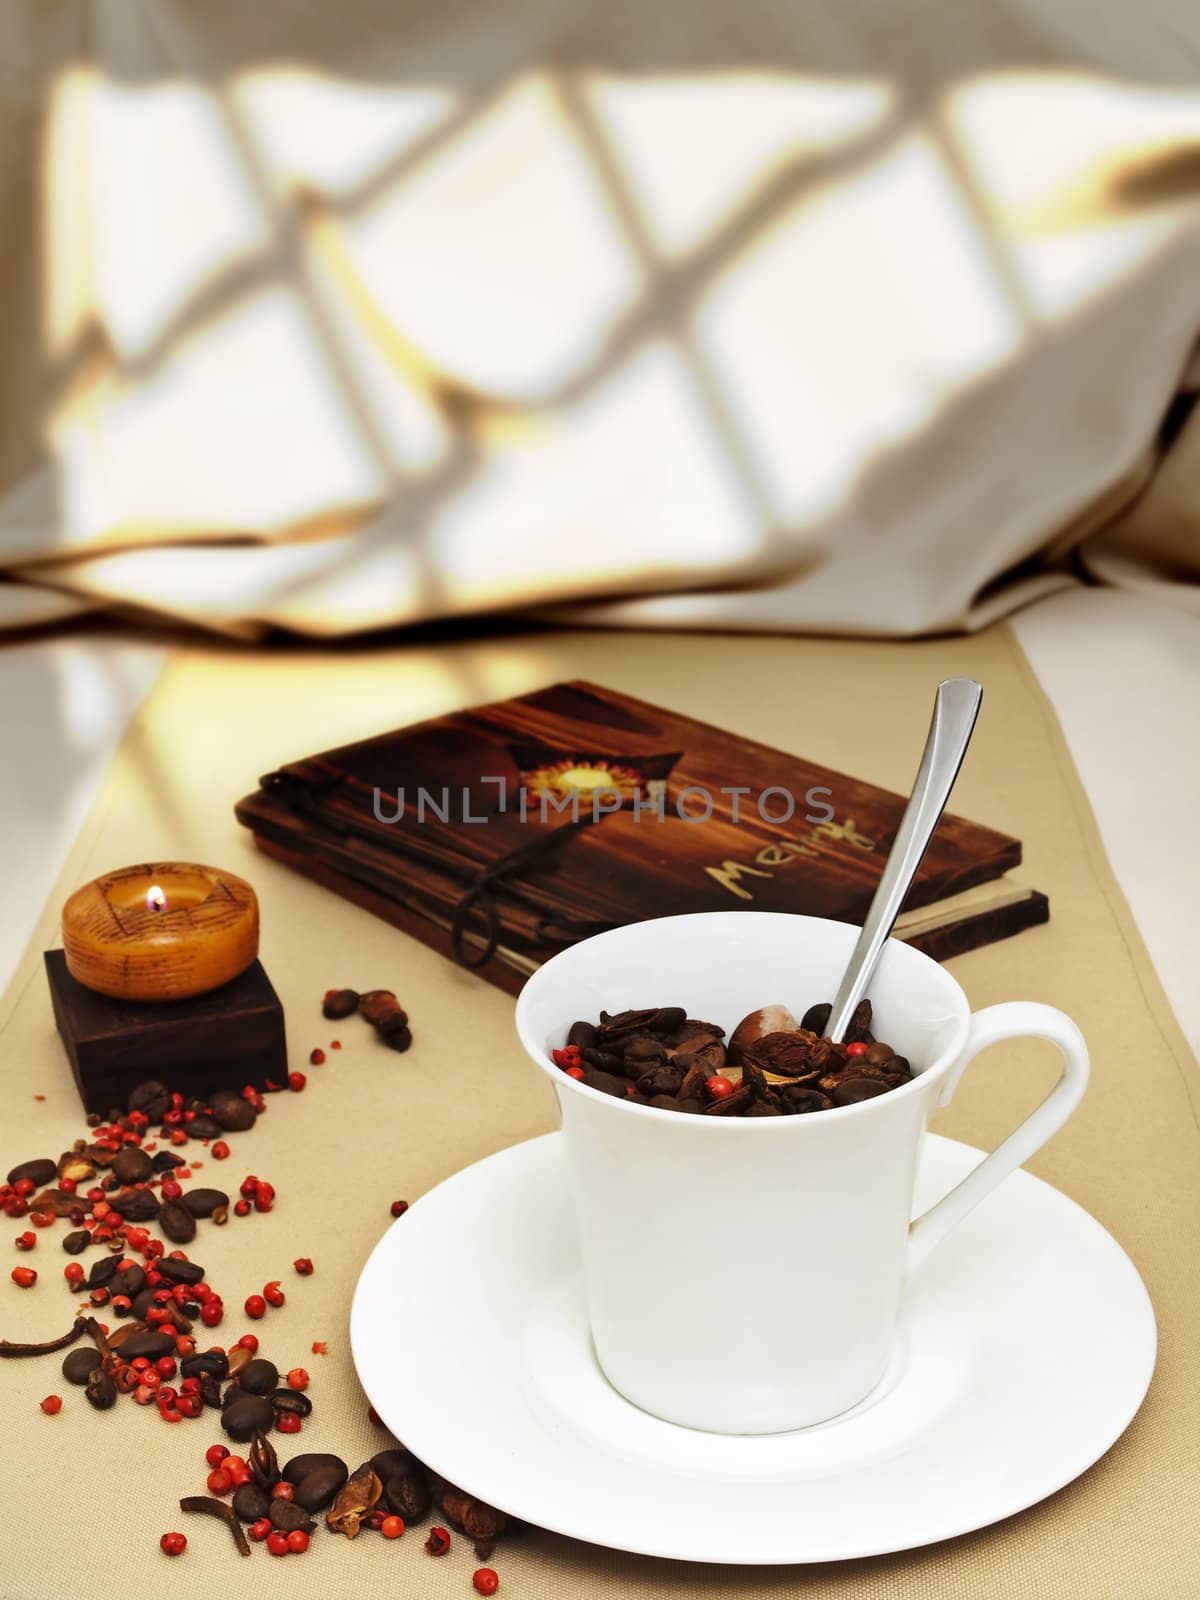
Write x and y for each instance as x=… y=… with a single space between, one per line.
x=339 y=1003
x=250 y=1502
x=258 y=1376
x=203 y=1202
x=176 y=1271
x=132 y=1165
x=148 y=1342
x=286 y=1514
x=39 y=1172
x=246 y=1415
x=76 y=1242
x=232 y=1113
x=152 y=1099
x=377 y=1004
x=177 y=1222
x=78 y=1365
x=101 y=1389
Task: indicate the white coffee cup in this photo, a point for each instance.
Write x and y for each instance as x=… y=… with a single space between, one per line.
x=743 y=1276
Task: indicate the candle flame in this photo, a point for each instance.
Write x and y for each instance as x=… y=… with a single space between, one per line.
x=156 y=900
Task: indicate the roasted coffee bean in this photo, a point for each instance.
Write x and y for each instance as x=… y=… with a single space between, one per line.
x=250 y=1502
x=399 y=1039
x=299 y=1467
x=851 y=1090
x=581 y=1033
x=664 y=1102
x=765 y=1106
x=148 y=1342
x=132 y=1165
x=77 y=1241
x=203 y=1202
x=878 y=1054
x=624 y=1022
x=693 y=1103
x=900 y=1064
x=214 y=1361
x=167 y=1160
x=78 y=1364
x=797 y=1100
x=605 y=1060
x=696 y=1073
x=376 y=1003
x=246 y=1415
x=816 y=1018
x=606 y=1082
x=39 y=1172
x=131 y=1280
x=667 y=1019
x=290 y=1400
x=101 y=1389
x=258 y=1376
x=135 y=1205
x=142 y=1301
x=151 y=1098
x=665 y=1078
x=317 y=1488
x=408 y=1494
x=339 y=1003
x=102 y=1271
x=385 y=1463
x=641 y=1048
x=231 y=1113
x=177 y=1222
x=176 y=1271
x=286 y=1514
x=204 y=1127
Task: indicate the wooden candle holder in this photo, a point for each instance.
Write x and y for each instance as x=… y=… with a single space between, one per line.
x=224 y=1039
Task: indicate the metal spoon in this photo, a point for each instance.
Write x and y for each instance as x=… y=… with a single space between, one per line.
x=954 y=711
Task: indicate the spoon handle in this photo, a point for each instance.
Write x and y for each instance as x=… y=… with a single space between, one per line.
x=954 y=712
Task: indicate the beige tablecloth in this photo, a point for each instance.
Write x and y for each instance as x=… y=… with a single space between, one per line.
x=372 y=1126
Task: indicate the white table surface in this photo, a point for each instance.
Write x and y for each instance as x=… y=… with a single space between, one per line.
x=1122 y=672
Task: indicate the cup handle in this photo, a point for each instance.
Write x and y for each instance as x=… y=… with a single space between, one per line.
x=1013 y=1019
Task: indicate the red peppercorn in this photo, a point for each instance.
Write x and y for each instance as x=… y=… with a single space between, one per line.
x=219 y=1481
x=438 y=1542
x=234 y=1466
x=24 y=1187
x=264 y=1196
x=374 y=1418
x=26 y=1277
x=717 y=1087
x=319 y=1347
x=190 y=1404
x=261 y=1529
x=52 y=1405
x=392 y=1527
x=185 y=1345
x=288 y=1422
x=297 y=1378
x=215 y=1454
x=166 y=1396
x=316 y=1058
x=277 y=1542
x=485 y=1580
x=297 y=1541
x=249 y=1341
x=165 y=1366
x=151 y=1380
x=858 y=1048
x=173 y=1544
x=26 y=1241
x=122 y=1305
x=273 y=1294
x=98 y=1297
x=375 y=1520
x=170 y=1189
x=283 y=1491
x=399 y=1207
x=42 y=1219
x=220 y=1150
x=574 y=1072
x=170 y=1413
x=14 y=1206
x=335 y=1044
x=303 y=1266
x=67 y=1185
x=125 y=1379
x=255 y=1307
x=140 y=1363
x=178 y=1136
x=212 y=1311
x=296 y=1081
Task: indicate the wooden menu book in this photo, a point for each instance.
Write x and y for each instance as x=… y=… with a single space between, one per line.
x=500 y=834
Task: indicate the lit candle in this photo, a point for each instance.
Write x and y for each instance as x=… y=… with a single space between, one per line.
x=163 y=931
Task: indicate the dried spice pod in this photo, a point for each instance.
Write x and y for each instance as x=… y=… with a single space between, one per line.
x=167 y=1161
x=136 y=1205
x=377 y=1004
x=60 y=1202
x=177 y=1222
x=239 y=1357
x=39 y=1172
x=76 y=1165
x=262 y=1461
x=758 y=1025
x=732 y=1104
x=354 y=1501
x=209 y=1506
x=14 y=1349
x=101 y=1389
x=816 y=1018
x=783 y=1056
x=288 y=1516
x=210 y=1390
x=859 y=1029
x=474 y=1517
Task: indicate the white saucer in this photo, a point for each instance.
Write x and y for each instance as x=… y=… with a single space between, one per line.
x=1026 y=1345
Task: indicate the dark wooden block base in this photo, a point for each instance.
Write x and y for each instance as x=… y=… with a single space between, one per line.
x=221 y=1040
